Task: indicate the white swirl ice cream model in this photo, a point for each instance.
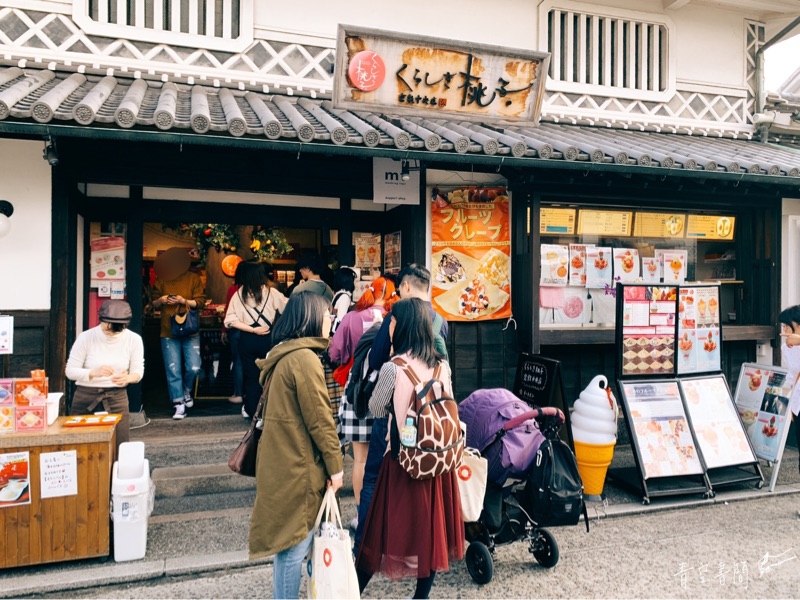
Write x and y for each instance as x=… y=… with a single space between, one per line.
x=594 y=433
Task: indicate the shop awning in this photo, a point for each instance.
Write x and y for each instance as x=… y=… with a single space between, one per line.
x=43 y=102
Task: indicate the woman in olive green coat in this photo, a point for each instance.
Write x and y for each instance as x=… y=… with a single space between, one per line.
x=299 y=454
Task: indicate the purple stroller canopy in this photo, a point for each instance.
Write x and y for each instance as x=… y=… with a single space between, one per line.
x=490 y=411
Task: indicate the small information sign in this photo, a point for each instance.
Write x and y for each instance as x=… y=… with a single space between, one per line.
x=604 y=222
x=557 y=220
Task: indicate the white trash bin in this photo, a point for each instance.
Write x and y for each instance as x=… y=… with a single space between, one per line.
x=132 y=496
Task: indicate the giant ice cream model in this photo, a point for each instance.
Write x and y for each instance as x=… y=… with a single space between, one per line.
x=594 y=432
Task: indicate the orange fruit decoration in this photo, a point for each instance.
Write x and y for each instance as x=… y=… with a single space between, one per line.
x=229 y=264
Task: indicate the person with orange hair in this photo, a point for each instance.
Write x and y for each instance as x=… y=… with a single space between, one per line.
x=373 y=305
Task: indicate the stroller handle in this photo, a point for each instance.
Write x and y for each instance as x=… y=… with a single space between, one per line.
x=544 y=411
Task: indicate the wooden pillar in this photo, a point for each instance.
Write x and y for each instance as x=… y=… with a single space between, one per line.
x=63 y=276
x=523 y=267
x=347 y=252
x=133 y=278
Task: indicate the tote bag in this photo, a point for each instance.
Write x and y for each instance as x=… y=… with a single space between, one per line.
x=184 y=323
x=472 y=473
x=333 y=573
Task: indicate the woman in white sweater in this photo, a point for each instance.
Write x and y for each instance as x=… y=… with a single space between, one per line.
x=103 y=361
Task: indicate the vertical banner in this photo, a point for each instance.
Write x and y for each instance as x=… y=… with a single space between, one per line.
x=471 y=253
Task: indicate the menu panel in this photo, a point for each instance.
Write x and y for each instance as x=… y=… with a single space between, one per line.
x=604 y=222
x=557 y=220
x=710 y=227
x=648 y=330
x=660 y=429
x=659 y=225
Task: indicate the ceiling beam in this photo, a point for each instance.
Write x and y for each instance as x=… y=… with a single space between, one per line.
x=674 y=4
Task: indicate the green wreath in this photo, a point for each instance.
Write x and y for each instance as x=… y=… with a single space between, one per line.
x=269 y=243
x=208 y=235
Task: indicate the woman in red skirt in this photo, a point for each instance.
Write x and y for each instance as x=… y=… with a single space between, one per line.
x=414 y=527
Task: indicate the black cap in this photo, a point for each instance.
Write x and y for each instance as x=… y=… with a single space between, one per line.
x=115 y=311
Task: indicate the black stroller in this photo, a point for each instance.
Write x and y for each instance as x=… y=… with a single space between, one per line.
x=508 y=433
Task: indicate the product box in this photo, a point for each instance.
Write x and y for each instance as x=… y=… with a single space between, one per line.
x=6 y=419
x=6 y=392
x=30 y=418
x=30 y=392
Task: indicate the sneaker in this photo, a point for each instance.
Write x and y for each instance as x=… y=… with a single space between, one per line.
x=354 y=524
x=187 y=400
x=235 y=399
x=180 y=411
x=244 y=413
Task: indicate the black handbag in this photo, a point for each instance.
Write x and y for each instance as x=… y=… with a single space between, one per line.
x=243 y=459
x=185 y=323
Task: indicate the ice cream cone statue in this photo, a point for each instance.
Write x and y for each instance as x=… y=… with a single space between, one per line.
x=594 y=432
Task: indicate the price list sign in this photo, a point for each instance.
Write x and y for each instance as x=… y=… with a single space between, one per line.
x=659 y=225
x=710 y=227
x=557 y=220
x=602 y=222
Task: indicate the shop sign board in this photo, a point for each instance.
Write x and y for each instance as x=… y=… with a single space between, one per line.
x=436 y=78
x=388 y=185
x=471 y=253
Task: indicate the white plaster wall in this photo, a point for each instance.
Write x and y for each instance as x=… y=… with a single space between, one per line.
x=25 y=253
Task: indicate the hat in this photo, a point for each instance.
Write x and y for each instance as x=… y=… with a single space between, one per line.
x=115 y=311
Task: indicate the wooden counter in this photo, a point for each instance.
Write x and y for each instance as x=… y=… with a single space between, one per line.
x=68 y=527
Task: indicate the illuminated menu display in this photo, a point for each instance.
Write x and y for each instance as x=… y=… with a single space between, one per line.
x=710 y=227
x=659 y=225
x=557 y=220
x=602 y=222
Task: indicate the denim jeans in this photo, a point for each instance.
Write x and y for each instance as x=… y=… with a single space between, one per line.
x=377 y=448
x=236 y=362
x=182 y=363
x=287 y=569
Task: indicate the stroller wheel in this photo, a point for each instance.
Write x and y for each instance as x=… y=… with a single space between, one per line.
x=479 y=563
x=544 y=548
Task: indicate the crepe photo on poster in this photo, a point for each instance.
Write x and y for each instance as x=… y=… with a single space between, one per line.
x=15 y=486
x=368 y=250
x=470 y=253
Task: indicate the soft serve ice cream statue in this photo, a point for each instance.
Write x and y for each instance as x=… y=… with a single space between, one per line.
x=594 y=432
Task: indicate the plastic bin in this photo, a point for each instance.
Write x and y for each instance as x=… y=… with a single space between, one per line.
x=132 y=496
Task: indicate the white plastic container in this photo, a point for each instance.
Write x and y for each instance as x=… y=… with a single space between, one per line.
x=53 y=403
x=132 y=496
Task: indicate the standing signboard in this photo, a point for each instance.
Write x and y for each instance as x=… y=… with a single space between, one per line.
x=762 y=399
x=538 y=382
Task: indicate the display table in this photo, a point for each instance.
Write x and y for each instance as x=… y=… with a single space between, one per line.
x=66 y=527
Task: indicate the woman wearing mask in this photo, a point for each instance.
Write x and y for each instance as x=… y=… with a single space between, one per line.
x=253 y=311
x=103 y=361
x=373 y=305
x=299 y=450
x=790 y=350
x=414 y=527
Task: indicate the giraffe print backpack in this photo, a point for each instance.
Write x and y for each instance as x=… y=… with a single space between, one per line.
x=440 y=440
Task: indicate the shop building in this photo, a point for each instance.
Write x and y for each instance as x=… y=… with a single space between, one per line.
x=116 y=122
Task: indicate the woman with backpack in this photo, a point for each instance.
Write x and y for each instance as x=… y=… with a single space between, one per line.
x=344 y=283
x=253 y=310
x=373 y=305
x=414 y=526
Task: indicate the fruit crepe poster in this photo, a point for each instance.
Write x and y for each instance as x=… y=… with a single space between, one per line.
x=599 y=270
x=626 y=264
x=577 y=265
x=554 y=265
x=471 y=253
x=699 y=339
x=661 y=429
x=715 y=420
x=761 y=400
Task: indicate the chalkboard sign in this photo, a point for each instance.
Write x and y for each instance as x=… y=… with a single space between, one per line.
x=538 y=382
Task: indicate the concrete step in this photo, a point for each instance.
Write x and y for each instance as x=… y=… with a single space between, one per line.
x=204 y=503
x=194 y=480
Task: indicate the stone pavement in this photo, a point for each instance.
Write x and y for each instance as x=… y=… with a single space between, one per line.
x=202 y=514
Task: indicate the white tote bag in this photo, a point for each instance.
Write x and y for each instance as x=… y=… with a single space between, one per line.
x=333 y=573
x=472 y=473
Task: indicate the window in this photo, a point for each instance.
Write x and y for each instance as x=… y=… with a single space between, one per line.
x=622 y=54
x=212 y=24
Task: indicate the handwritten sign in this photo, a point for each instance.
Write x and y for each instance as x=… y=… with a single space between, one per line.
x=557 y=220
x=58 y=474
x=538 y=382
x=604 y=222
x=436 y=78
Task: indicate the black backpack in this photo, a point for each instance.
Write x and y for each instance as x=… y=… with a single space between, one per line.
x=553 y=492
x=351 y=308
x=361 y=380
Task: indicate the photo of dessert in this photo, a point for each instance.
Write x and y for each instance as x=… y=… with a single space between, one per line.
x=495 y=268
x=472 y=299
x=451 y=267
x=600 y=262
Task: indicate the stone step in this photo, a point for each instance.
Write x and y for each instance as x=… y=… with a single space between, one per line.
x=166 y=506
x=198 y=479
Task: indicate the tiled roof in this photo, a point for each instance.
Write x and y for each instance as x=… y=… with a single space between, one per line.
x=47 y=97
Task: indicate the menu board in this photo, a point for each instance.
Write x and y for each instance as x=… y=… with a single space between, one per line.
x=599 y=269
x=557 y=220
x=710 y=227
x=626 y=264
x=107 y=260
x=604 y=222
x=699 y=333
x=660 y=429
x=577 y=265
x=762 y=399
x=720 y=434
x=648 y=330
x=659 y=225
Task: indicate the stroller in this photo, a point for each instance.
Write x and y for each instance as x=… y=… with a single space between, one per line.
x=507 y=432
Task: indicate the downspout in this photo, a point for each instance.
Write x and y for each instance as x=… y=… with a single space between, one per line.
x=761 y=93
